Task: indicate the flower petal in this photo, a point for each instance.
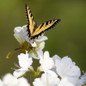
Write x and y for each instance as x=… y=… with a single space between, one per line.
x=47 y=79
x=46 y=62
x=25 y=61
x=66 y=68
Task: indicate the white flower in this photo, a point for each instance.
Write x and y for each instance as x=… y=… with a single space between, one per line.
x=37 y=44
x=21 y=34
x=65 y=82
x=66 y=68
x=23 y=82
x=10 y=80
x=1 y=83
x=47 y=79
x=40 y=44
x=46 y=62
x=68 y=71
x=83 y=79
x=19 y=72
x=74 y=80
x=25 y=62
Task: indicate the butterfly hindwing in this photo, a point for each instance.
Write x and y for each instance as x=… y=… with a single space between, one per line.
x=44 y=27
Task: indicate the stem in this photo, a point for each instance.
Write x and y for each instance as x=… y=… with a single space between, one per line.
x=30 y=78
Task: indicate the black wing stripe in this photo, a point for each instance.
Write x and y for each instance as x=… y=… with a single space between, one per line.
x=47 y=23
x=53 y=24
x=28 y=30
x=50 y=21
x=41 y=25
x=31 y=14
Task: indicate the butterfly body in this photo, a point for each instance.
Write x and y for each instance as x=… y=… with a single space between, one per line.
x=33 y=31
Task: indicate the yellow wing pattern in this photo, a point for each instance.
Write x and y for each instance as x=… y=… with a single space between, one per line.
x=34 y=32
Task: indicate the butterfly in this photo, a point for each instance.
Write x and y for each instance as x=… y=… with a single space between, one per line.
x=33 y=30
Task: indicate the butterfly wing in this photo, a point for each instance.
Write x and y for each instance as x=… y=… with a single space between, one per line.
x=31 y=23
x=44 y=27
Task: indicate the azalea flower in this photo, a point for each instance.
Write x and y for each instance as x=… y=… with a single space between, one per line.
x=10 y=80
x=46 y=62
x=25 y=62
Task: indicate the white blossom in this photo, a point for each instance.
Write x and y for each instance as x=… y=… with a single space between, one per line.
x=65 y=82
x=47 y=79
x=66 y=68
x=68 y=71
x=10 y=80
x=1 y=83
x=83 y=79
x=74 y=80
x=25 y=62
x=21 y=34
x=23 y=82
x=19 y=72
x=46 y=62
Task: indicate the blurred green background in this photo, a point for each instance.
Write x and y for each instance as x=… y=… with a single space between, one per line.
x=68 y=38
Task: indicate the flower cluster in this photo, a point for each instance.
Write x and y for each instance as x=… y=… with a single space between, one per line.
x=52 y=71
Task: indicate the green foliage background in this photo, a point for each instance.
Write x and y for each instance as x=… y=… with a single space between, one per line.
x=68 y=38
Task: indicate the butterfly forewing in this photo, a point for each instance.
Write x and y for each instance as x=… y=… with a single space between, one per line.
x=43 y=27
x=31 y=23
